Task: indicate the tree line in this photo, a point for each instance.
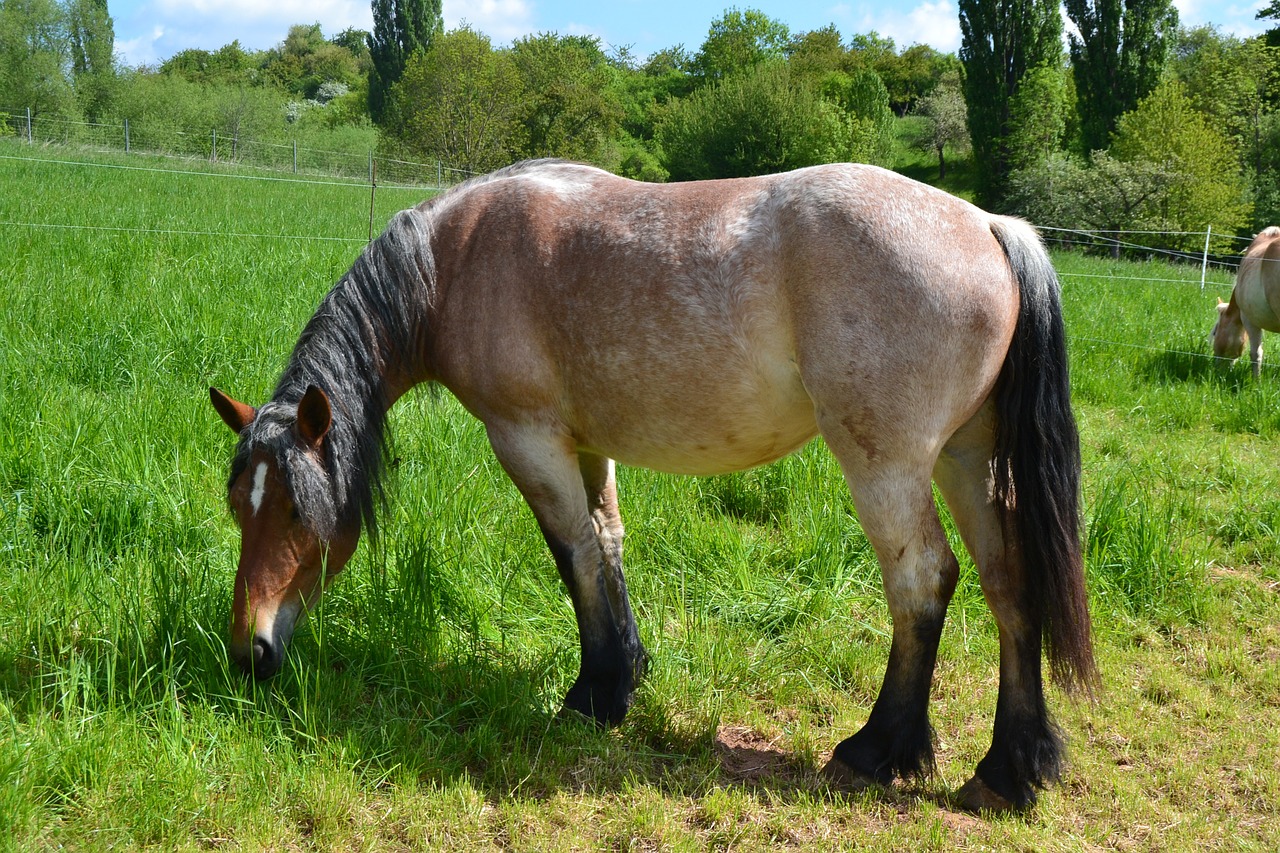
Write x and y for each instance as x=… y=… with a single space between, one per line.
x=1131 y=121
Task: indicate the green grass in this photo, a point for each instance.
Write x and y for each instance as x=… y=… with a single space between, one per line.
x=417 y=708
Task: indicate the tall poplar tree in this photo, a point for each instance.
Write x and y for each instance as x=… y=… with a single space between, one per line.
x=1001 y=41
x=1117 y=59
x=401 y=28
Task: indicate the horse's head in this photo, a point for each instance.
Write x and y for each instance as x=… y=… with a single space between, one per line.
x=1227 y=336
x=292 y=536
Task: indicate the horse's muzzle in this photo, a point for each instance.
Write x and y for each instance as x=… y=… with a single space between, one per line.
x=262 y=661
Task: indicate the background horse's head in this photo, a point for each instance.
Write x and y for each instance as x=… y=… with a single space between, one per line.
x=1227 y=336
x=293 y=536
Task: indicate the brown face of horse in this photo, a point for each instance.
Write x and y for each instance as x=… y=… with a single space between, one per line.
x=284 y=565
x=1227 y=336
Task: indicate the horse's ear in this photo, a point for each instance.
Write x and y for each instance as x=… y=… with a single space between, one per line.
x=1220 y=302
x=315 y=416
x=234 y=414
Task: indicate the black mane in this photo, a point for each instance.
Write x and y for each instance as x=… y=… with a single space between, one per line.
x=371 y=324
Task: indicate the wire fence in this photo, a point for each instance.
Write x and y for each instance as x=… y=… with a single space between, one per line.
x=1203 y=271
x=362 y=164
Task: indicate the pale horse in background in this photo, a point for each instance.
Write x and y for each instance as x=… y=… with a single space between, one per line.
x=1255 y=302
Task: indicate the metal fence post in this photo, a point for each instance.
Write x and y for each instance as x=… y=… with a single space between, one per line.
x=295 y=156
x=1204 y=263
x=126 y=136
x=213 y=149
x=28 y=125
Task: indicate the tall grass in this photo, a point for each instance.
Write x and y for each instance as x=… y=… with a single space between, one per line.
x=418 y=704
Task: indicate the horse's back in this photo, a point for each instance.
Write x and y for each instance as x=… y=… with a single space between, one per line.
x=697 y=327
x=1257 y=289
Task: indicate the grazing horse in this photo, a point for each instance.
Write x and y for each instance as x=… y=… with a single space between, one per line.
x=1255 y=302
x=700 y=328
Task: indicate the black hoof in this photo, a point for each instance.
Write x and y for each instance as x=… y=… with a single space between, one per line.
x=842 y=777
x=977 y=797
x=603 y=701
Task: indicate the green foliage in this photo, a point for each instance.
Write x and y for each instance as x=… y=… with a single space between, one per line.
x=1117 y=55
x=1234 y=83
x=569 y=105
x=756 y=122
x=1271 y=12
x=401 y=28
x=1038 y=116
x=738 y=41
x=865 y=100
x=461 y=101
x=1208 y=188
x=1102 y=194
x=817 y=54
x=230 y=63
x=1266 y=204
x=1001 y=41
x=305 y=61
x=35 y=48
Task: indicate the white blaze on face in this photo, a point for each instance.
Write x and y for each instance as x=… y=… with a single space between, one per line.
x=259 y=487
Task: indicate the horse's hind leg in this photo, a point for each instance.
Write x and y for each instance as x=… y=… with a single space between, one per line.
x=894 y=501
x=600 y=484
x=1026 y=747
x=573 y=498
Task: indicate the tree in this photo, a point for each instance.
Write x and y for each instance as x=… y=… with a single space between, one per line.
x=817 y=54
x=1038 y=116
x=92 y=37
x=570 y=107
x=1271 y=12
x=863 y=97
x=1207 y=188
x=401 y=28
x=755 y=122
x=460 y=102
x=737 y=41
x=35 y=51
x=1104 y=194
x=946 y=123
x=1117 y=59
x=1233 y=82
x=1000 y=41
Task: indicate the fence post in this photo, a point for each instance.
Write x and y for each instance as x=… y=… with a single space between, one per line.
x=213 y=149
x=295 y=156
x=1204 y=263
x=126 y=136
x=370 y=166
x=28 y=125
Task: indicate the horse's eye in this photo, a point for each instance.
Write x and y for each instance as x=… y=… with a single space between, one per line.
x=294 y=515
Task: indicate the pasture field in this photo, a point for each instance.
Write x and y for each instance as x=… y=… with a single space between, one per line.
x=417 y=708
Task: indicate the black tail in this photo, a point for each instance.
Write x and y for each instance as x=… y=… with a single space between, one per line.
x=1037 y=459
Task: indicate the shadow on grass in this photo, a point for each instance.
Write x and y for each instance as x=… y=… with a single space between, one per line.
x=465 y=709
x=1186 y=365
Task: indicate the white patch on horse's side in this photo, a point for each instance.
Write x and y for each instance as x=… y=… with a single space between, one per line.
x=259 y=487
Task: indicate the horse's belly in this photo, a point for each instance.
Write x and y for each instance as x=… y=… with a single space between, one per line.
x=705 y=434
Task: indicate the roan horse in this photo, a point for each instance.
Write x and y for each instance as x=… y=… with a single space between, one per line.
x=700 y=328
x=1255 y=302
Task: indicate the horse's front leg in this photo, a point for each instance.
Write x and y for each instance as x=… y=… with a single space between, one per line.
x=1255 y=350
x=574 y=501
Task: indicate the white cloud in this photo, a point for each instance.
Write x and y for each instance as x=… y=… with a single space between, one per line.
x=933 y=22
x=502 y=20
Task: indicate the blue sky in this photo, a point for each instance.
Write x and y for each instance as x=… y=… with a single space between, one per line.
x=149 y=31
